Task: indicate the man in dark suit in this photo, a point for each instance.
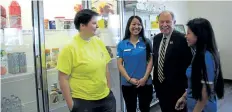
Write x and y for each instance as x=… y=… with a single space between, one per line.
x=171 y=57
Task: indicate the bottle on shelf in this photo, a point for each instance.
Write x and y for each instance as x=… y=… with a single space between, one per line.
x=15 y=15
x=13 y=63
x=53 y=95
x=68 y=24
x=3 y=17
x=46 y=23
x=59 y=23
x=18 y=104
x=8 y=105
x=22 y=62
x=2 y=37
x=61 y=97
x=55 y=52
x=48 y=58
x=52 y=24
x=13 y=103
x=4 y=63
x=3 y=104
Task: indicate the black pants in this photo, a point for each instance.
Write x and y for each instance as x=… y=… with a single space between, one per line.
x=168 y=96
x=144 y=94
x=107 y=104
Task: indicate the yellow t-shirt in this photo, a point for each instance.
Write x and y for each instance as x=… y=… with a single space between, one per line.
x=85 y=62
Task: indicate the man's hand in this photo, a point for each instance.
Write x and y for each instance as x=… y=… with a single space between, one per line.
x=180 y=104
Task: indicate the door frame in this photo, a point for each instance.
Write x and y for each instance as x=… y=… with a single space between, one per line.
x=38 y=48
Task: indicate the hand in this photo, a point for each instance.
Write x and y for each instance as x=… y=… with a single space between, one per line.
x=133 y=81
x=142 y=82
x=180 y=104
x=70 y=105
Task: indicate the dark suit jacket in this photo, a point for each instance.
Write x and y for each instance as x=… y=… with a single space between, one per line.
x=177 y=58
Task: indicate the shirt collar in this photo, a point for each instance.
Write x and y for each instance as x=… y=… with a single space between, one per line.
x=79 y=39
x=169 y=36
x=139 y=40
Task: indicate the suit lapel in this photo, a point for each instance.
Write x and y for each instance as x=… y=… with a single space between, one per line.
x=171 y=45
x=156 y=48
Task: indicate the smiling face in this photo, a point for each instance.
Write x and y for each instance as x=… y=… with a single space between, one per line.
x=191 y=38
x=90 y=28
x=135 y=27
x=166 y=23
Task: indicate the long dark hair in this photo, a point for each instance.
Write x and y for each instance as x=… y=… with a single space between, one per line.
x=203 y=30
x=141 y=34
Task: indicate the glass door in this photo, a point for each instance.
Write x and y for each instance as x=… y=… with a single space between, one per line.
x=57 y=29
x=109 y=31
x=148 y=11
x=19 y=82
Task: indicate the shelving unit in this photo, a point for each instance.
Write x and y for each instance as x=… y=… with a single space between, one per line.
x=49 y=31
x=141 y=11
x=8 y=78
x=133 y=6
x=18 y=76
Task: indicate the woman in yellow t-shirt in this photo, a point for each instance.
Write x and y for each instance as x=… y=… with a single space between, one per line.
x=83 y=71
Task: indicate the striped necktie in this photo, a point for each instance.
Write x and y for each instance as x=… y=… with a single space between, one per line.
x=161 y=61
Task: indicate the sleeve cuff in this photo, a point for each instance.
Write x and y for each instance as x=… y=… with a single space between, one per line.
x=63 y=71
x=108 y=60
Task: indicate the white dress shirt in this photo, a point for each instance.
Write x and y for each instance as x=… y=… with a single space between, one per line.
x=166 y=46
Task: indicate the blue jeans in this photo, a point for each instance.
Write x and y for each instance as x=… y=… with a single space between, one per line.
x=107 y=104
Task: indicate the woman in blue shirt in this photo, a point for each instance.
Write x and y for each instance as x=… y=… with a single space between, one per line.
x=135 y=65
x=205 y=81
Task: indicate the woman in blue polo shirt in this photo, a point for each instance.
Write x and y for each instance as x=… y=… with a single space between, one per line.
x=205 y=81
x=135 y=65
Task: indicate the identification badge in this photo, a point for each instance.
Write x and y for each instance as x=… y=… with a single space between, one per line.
x=171 y=42
x=140 y=47
x=127 y=49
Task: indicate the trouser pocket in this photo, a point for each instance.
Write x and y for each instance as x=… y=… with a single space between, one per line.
x=74 y=107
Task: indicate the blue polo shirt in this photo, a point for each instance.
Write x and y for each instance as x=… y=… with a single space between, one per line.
x=134 y=58
x=211 y=105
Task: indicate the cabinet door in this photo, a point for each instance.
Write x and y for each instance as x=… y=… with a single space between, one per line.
x=109 y=33
x=18 y=76
x=57 y=28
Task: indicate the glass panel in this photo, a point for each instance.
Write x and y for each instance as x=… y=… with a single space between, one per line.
x=109 y=33
x=148 y=12
x=18 y=88
x=59 y=31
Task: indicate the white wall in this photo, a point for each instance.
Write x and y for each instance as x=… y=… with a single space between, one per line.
x=53 y=8
x=219 y=14
x=180 y=9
